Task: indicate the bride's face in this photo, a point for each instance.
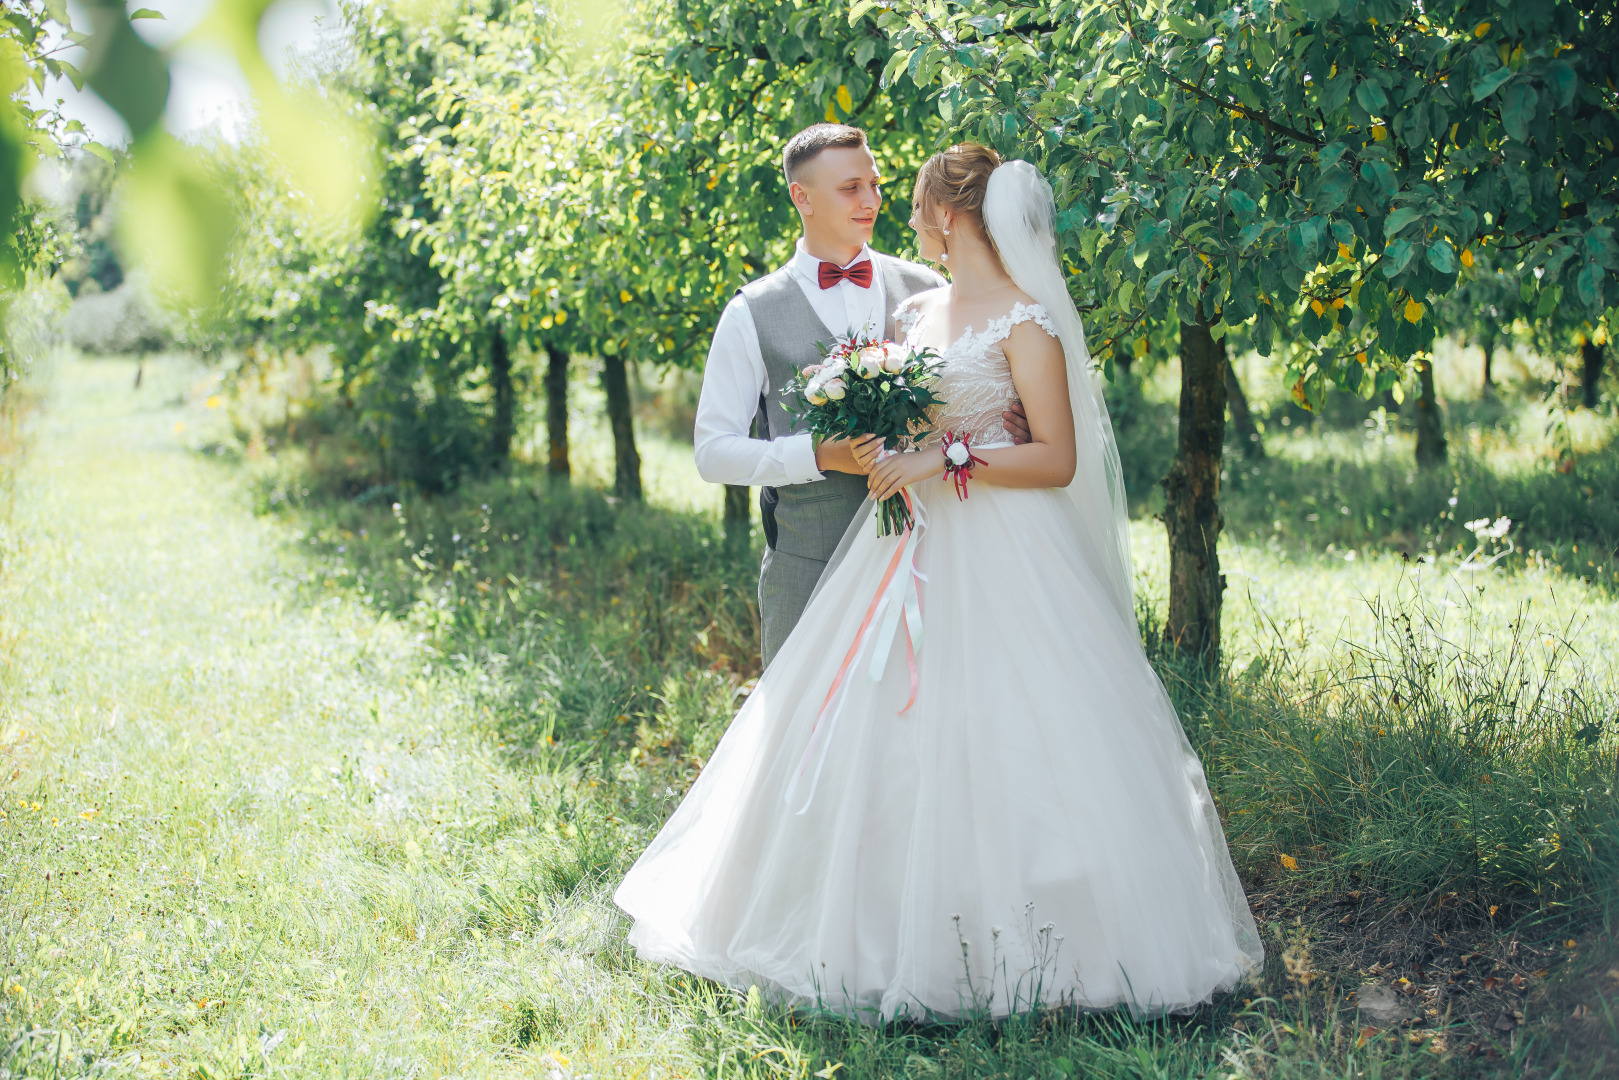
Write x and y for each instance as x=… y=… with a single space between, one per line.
x=929 y=223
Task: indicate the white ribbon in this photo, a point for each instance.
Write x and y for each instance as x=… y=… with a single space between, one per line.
x=900 y=596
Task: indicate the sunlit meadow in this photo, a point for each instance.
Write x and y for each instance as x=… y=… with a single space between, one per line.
x=296 y=785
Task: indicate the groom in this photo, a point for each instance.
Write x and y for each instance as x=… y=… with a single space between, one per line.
x=835 y=286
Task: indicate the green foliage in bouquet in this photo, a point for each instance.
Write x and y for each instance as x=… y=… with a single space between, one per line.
x=869 y=387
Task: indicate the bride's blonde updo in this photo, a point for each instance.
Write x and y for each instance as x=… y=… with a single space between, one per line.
x=955 y=179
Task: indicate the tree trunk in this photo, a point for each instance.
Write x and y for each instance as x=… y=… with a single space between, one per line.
x=738 y=512
x=1192 y=504
x=626 y=462
x=1241 y=417
x=1488 y=345
x=556 y=413
x=1591 y=372
x=503 y=424
x=1430 y=421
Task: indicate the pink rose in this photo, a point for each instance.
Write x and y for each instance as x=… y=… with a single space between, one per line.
x=834 y=389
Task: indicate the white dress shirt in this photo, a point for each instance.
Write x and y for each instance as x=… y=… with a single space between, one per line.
x=735 y=378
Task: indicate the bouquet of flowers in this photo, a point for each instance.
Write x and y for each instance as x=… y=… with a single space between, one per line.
x=869 y=387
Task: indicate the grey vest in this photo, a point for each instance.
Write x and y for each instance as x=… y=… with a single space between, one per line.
x=808 y=520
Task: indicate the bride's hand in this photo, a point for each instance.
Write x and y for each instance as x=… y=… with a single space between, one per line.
x=902 y=470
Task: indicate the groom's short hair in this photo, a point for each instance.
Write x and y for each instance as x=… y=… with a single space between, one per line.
x=807 y=144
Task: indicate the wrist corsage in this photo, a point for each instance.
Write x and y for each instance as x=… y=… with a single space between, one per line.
x=959 y=461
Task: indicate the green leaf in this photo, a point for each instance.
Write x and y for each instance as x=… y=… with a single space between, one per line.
x=1332 y=190
x=1241 y=204
x=1442 y=257
x=1304 y=244
x=146 y=13
x=1486 y=85
x=1157 y=282
x=100 y=151
x=1518 y=104
x=1395 y=258
x=1185 y=28
x=1563 y=82
x=1398 y=219
x=1250 y=233
x=1381 y=177
x=859 y=8
x=1371 y=96
x=1588 y=286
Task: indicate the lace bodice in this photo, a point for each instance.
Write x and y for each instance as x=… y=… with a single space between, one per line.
x=976 y=380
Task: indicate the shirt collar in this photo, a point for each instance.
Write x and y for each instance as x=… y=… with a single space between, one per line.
x=807 y=266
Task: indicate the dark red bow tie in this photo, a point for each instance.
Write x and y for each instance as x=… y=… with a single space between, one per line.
x=859 y=273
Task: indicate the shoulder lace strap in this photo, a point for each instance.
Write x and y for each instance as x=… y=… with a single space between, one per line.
x=999 y=329
x=907 y=315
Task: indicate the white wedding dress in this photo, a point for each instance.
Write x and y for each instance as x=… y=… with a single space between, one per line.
x=1034 y=831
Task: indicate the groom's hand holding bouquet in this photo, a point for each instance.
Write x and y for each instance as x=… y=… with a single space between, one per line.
x=870 y=388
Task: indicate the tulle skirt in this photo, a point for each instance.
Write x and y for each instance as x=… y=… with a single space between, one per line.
x=1034 y=831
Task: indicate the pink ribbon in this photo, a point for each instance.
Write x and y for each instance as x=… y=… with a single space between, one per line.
x=905 y=607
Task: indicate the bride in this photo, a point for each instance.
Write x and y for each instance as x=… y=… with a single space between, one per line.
x=1010 y=817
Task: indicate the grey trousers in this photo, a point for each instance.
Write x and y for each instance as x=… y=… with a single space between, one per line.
x=785 y=584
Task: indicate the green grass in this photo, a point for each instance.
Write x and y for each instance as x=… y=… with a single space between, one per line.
x=301 y=784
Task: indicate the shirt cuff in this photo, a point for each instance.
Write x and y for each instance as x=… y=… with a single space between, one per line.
x=798 y=459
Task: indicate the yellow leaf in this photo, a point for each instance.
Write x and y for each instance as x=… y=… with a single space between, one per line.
x=546 y=323
x=1517 y=56
x=1360 y=356
x=845 y=102
x=562 y=317
x=1317 y=307
x=1413 y=311
x=831 y=117
x=1481 y=29
x=624 y=295
x=713 y=181
x=1338 y=303
x=1493 y=909
x=1289 y=863
x=1379 y=132
x=1140 y=348
x=1454 y=128
x=1467 y=256
x=1399 y=393
x=1345 y=251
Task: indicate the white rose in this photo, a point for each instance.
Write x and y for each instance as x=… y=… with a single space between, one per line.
x=815 y=396
x=811 y=369
x=834 y=389
x=895 y=357
x=957 y=454
x=871 y=361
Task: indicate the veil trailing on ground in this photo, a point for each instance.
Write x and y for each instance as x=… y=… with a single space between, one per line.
x=1019 y=213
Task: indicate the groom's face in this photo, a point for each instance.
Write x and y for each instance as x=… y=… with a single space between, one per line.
x=838 y=193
